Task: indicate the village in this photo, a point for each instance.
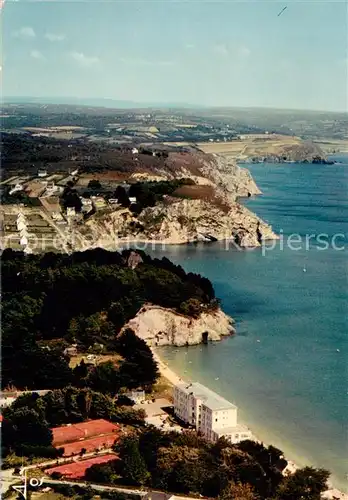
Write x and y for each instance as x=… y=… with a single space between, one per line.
x=35 y=216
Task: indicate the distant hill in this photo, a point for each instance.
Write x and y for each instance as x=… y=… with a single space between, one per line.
x=97 y=102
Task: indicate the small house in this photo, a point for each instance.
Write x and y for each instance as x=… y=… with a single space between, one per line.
x=70 y=351
x=23 y=241
x=15 y=188
x=132 y=199
x=42 y=172
x=70 y=211
x=99 y=202
x=137 y=397
x=135 y=151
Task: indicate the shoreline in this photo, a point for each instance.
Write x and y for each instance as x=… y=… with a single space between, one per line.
x=173 y=378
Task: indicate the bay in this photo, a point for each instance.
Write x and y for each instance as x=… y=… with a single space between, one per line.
x=286 y=368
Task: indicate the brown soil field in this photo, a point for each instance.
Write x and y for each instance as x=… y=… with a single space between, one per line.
x=331 y=145
x=201 y=192
x=62 y=128
x=100 y=358
x=249 y=146
x=111 y=175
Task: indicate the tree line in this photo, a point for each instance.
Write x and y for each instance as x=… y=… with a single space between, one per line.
x=52 y=301
x=26 y=428
x=185 y=463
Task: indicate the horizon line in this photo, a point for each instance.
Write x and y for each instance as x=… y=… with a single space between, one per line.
x=149 y=105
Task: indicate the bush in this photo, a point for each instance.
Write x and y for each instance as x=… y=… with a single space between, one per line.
x=56 y=475
x=191 y=307
x=94 y=184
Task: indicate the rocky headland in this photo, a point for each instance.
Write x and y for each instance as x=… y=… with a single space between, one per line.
x=209 y=210
x=160 y=326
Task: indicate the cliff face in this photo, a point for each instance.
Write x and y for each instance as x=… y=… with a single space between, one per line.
x=160 y=327
x=177 y=221
x=231 y=180
x=302 y=152
x=209 y=210
x=197 y=220
x=223 y=173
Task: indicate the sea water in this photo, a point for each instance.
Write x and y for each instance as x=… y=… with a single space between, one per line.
x=287 y=366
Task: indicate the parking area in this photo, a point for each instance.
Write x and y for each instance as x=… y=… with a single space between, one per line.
x=159 y=414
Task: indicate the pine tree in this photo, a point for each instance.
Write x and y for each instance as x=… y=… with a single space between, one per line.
x=134 y=469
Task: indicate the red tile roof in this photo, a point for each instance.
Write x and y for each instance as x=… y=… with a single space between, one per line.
x=78 y=469
x=89 y=445
x=83 y=430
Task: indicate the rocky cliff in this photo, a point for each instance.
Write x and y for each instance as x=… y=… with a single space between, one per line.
x=208 y=211
x=176 y=221
x=160 y=327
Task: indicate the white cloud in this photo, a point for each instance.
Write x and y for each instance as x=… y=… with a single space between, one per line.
x=36 y=54
x=55 y=37
x=221 y=49
x=189 y=46
x=83 y=60
x=244 y=51
x=25 y=32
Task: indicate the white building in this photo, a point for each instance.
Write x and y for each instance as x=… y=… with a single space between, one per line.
x=70 y=211
x=135 y=151
x=23 y=240
x=208 y=412
x=136 y=396
x=7 y=398
x=15 y=188
x=86 y=204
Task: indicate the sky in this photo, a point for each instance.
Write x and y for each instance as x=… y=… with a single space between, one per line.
x=211 y=53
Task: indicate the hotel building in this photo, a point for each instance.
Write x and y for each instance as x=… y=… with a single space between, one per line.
x=210 y=414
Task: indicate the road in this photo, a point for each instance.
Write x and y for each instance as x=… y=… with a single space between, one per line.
x=64 y=236
x=153 y=495
x=8 y=477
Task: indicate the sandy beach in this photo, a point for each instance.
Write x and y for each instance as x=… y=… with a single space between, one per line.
x=173 y=378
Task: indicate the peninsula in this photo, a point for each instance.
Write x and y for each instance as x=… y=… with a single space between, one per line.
x=74 y=196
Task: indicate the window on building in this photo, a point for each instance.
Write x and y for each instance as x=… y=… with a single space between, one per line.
x=216 y=420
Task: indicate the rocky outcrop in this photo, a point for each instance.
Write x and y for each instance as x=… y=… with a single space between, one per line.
x=177 y=221
x=133 y=260
x=231 y=180
x=302 y=152
x=211 y=212
x=182 y=221
x=160 y=327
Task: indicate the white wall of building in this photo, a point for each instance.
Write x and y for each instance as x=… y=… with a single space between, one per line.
x=208 y=412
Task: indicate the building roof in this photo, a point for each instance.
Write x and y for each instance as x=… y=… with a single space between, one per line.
x=90 y=444
x=69 y=433
x=209 y=397
x=77 y=470
x=225 y=431
x=51 y=203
